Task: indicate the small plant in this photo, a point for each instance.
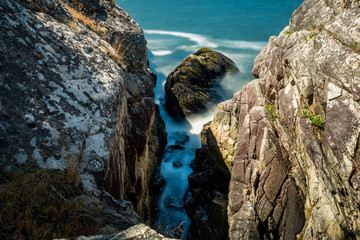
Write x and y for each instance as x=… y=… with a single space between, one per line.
x=354 y=45
x=316 y=121
x=321 y=26
x=272 y=111
x=308 y=38
x=288 y=33
x=114 y=55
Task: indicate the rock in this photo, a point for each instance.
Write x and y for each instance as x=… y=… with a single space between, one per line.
x=173 y=203
x=81 y=100
x=137 y=232
x=177 y=164
x=190 y=88
x=206 y=201
x=292 y=156
x=113 y=214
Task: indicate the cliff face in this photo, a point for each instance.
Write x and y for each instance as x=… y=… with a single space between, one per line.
x=291 y=136
x=77 y=95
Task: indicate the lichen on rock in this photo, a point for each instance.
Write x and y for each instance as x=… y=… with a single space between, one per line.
x=77 y=96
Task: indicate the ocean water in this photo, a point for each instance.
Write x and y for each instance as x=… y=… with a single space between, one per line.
x=175 y=28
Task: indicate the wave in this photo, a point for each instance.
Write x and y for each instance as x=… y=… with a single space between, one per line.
x=161 y=52
x=204 y=41
x=242 y=44
x=197 y=38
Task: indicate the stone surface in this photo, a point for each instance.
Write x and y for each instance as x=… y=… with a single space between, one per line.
x=77 y=95
x=190 y=88
x=292 y=178
x=137 y=232
x=206 y=201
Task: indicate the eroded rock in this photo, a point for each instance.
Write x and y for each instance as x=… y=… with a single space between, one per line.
x=190 y=88
x=294 y=156
x=77 y=96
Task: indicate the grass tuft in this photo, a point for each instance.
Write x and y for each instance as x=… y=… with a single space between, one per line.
x=84 y=19
x=38 y=205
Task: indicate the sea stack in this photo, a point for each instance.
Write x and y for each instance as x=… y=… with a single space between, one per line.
x=190 y=87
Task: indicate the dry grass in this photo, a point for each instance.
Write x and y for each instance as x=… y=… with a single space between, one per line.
x=73 y=25
x=84 y=19
x=38 y=205
x=113 y=55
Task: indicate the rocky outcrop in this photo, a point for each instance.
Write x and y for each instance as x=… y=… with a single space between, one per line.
x=291 y=136
x=190 y=88
x=77 y=96
x=206 y=200
x=137 y=232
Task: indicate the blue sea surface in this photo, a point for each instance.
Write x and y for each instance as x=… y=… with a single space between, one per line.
x=176 y=28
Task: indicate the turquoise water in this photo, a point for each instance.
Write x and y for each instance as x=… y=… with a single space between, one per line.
x=174 y=29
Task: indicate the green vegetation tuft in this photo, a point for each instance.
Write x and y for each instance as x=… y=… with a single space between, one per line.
x=38 y=205
x=311 y=35
x=316 y=121
x=321 y=26
x=272 y=111
x=288 y=33
x=354 y=45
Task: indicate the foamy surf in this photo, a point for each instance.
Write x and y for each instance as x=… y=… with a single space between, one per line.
x=161 y=52
x=197 y=121
x=204 y=41
x=197 y=38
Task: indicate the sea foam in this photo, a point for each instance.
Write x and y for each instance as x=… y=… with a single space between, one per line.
x=161 y=52
x=204 y=41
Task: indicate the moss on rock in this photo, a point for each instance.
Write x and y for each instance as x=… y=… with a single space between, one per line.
x=189 y=89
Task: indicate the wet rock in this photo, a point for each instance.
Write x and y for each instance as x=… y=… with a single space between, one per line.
x=206 y=201
x=182 y=138
x=190 y=88
x=177 y=164
x=172 y=148
x=173 y=203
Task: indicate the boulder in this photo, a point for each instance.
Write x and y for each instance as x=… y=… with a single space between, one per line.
x=77 y=97
x=190 y=88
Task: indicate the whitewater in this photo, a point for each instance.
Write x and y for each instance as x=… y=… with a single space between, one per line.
x=175 y=29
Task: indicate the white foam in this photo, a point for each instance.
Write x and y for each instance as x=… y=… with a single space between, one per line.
x=197 y=38
x=236 y=44
x=161 y=52
x=204 y=41
x=197 y=121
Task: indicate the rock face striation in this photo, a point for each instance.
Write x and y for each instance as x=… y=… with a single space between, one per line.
x=76 y=95
x=190 y=88
x=291 y=137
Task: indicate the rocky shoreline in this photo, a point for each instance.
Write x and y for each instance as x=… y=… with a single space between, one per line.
x=81 y=136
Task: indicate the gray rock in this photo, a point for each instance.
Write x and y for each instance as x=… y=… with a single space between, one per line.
x=136 y=232
x=78 y=96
